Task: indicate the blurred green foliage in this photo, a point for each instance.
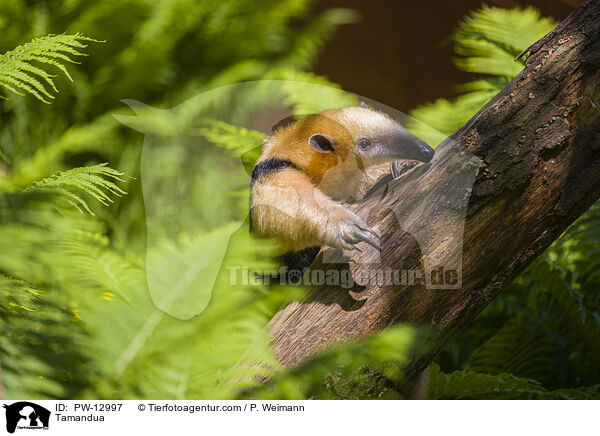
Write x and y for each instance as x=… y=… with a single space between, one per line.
x=87 y=214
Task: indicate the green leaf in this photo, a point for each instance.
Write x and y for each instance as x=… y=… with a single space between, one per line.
x=95 y=180
x=18 y=71
x=486 y=42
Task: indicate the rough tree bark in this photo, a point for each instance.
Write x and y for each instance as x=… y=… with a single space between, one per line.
x=536 y=152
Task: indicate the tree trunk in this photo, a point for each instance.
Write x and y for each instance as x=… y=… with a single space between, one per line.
x=498 y=192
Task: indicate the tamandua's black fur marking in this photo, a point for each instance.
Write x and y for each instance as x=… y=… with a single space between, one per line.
x=270 y=166
x=294 y=260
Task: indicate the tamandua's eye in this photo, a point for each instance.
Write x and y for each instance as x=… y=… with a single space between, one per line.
x=364 y=144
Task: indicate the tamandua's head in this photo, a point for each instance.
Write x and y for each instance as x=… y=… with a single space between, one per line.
x=337 y=147
x=375 y=138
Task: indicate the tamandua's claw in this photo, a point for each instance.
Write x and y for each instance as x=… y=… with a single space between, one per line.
x=371 y=231
x=345 y=233
x=365 y=238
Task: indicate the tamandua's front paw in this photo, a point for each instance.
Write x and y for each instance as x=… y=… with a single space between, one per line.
x=345 y=229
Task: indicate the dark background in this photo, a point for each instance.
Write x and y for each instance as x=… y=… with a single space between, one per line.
x=397 y=53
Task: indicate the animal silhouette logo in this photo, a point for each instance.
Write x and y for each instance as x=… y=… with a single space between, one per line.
x=218 y=124
x=26 y=415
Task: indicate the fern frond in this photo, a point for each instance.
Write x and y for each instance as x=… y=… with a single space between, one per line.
x=490 y=38
x=95 y=180
x=474 y=385
x=230 y=137
x=478 y=386
x=19 y=74
x=486 y=42
x=309 y=93
x=523 y=352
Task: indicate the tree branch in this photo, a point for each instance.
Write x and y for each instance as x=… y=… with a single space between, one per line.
x=532 y=158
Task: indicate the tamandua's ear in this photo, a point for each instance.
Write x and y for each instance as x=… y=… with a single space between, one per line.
x=363 y=105
x=321 y=143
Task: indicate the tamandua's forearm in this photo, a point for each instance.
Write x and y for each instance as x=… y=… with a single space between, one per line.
x=285 y=205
